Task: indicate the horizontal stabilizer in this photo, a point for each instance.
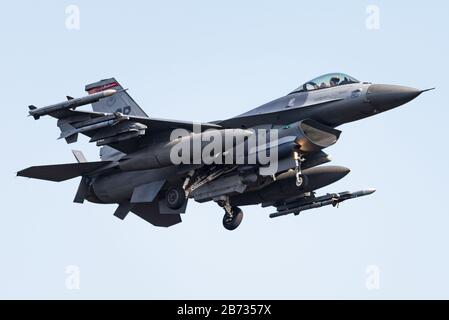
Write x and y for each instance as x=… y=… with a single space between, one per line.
x=61 y=172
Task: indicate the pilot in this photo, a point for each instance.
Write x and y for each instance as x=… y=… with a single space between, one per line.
x=345 y=81
x=334 y=81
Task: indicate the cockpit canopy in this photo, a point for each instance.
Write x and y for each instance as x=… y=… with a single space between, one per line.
x=326 y=81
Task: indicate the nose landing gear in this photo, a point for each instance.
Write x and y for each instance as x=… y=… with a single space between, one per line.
x=301 y=180
x=231 y=222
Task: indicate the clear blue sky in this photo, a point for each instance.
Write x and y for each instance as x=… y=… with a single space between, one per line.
x=207 y=60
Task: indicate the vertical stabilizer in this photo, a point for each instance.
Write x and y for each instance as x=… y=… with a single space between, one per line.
x=119 y=102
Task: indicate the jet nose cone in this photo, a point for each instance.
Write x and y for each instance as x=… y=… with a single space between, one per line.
x=385 y=97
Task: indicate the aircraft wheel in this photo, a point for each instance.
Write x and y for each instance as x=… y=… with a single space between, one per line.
x=232 y=223
x=301 y=181
x=175 y=197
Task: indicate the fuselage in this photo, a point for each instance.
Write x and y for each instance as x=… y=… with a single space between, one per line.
x=329 y=103
x=332 y=106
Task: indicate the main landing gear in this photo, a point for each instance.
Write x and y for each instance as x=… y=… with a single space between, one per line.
x=233 y=215
x=175 y=197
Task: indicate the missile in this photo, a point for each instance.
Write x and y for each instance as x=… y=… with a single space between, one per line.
x=330 y=199
x=71 y=103
x=93 y=124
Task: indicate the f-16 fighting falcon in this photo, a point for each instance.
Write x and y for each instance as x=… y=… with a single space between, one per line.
x=271 y=155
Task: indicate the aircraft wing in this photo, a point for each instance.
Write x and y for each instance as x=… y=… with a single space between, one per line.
x=116 y=121
x=125 y=133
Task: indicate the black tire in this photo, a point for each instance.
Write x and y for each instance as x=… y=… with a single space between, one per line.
x=232 y=224
x=175 y=197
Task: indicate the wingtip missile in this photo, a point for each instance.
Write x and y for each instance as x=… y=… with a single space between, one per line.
x=363 y=193
x=71 y=103
x=31 y=108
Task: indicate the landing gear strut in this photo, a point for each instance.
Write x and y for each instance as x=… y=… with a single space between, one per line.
x=301 y=180
x=233 y=215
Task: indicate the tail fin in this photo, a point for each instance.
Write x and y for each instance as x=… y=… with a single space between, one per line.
x=62 y=172
x=119 y=102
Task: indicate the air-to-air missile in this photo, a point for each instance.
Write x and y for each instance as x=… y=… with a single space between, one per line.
x=92 y=124
x=71 y=103
x=329 y=199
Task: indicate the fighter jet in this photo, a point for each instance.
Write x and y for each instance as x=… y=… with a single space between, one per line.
x=140 y=169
